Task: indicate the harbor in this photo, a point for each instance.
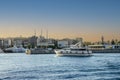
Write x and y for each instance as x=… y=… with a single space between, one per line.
x=59 y=39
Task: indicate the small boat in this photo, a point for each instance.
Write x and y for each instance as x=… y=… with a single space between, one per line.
x=40 y=51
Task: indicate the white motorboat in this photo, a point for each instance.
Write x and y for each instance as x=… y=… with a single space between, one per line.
x=75 y=50
x=15 y=49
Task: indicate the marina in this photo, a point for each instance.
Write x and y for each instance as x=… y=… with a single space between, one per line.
x=59 y=39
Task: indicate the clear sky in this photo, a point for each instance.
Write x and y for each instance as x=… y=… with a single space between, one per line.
x=89 y=19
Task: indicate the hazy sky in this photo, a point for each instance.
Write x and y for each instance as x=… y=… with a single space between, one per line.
x=89 y=19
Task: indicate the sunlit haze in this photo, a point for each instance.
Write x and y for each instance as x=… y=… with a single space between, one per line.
x=89 y=19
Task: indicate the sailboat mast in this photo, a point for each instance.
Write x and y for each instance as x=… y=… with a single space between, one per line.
x=41 y=32
x=47 y=38
x=47 y=34
x=35 y=32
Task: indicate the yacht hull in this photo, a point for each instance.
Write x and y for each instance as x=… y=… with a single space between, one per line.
x=58 y=53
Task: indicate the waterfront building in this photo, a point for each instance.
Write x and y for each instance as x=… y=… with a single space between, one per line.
x=43 y=42
x=33 y=41
x=69 y=42
x=25 y=43
x=17 y=42
x=63 y=43
x=7 y=43
x=1 y=43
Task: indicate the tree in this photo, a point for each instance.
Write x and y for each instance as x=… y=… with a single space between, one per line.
x=118 y=42
x=87 y=43
x=113 y=42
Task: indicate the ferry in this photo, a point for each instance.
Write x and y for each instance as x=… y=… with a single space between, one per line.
x=75 y=50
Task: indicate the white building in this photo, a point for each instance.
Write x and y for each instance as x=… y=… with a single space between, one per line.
x=63 y=43
x=18 y=42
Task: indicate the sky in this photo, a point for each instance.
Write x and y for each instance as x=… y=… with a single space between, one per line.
x=89 y=19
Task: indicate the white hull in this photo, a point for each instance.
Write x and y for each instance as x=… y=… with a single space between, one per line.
x=85 y=54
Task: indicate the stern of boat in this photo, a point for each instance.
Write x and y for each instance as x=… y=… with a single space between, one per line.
x=28 y=51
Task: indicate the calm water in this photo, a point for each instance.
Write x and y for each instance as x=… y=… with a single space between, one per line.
x=19 y=66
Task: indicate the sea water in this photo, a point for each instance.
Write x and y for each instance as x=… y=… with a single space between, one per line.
x=19 y=66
